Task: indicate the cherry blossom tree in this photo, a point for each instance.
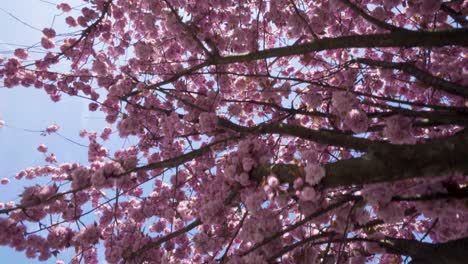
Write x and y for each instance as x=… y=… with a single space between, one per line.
x=280 y=131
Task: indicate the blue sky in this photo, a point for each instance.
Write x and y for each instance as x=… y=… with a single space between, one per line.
x=29 y=108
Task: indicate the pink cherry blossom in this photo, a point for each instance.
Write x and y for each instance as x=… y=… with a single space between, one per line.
x=52 y=128
x=71 y=21
x=42 y=148
x=343 y=102
x=4 y=181
x=21 y=53
x=308 y=194
x=47 y=43
x=87 y=236
x=357 y=121
x=314 y=173
x=49 y=32
x=272 y=181
x=143 y=50
x=399 y=130
x=64 y=7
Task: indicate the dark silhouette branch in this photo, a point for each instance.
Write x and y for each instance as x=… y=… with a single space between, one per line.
x=459 y=17
x=371 y=19
x=451 y=252
x=396 y=39
x=386 y=164
x=327 y=137
x=404 y=39
x=421 y=75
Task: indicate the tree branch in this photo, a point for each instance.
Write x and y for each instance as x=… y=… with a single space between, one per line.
x=232 y=195
x=327 y=137
x=163 y=239
x=371 y=19
x=386 y=164
x=300 y=243
x=461 y=193
x=421 y=75
x=396 y=39
x=180 y=159
x=437 y=157
x=452 y=252
x=457 y=16
x=404 y=39
x=302 y=222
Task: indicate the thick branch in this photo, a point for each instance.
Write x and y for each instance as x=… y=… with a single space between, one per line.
x=280 y=108
x=452 y=252
x=457 y=16
x=435 y=158
x=180 y=159
x=458 y=193
x=326 y=137
x=396 y=39
x=421 y=75
x=404 y=39
x=438 y=157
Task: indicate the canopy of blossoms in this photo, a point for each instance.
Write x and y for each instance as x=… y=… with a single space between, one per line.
x=279 y=131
